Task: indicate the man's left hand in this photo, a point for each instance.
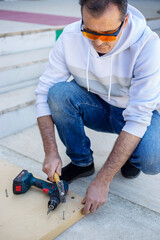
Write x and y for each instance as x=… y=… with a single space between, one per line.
x=96 y=196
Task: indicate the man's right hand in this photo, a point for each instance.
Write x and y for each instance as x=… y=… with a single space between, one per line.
x=52 y=163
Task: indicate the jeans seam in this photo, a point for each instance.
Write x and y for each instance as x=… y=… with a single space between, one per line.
x=83 y=143
x=92 y=105
x=118 y=123
x=82 y=127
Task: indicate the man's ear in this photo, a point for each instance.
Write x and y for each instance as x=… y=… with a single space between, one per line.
x=126 y=20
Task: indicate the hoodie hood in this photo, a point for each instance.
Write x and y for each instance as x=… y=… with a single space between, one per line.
x=136 y=24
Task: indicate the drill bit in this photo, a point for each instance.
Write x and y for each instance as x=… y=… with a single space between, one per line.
x=63 y=215
x=6 y=192
x=50 y=209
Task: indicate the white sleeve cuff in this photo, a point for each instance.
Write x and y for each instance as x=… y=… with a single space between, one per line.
x=42 y=109
x=135 y=128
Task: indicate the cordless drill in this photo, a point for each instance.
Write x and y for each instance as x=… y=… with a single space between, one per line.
x=25 y=180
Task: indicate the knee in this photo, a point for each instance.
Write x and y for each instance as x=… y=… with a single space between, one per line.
x=59 y=97
x=151 y=169
x=56 y=94
x=63 y=95
x=62 y=98
x=150 y=164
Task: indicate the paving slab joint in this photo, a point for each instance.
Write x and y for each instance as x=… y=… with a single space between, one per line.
x=137 y=204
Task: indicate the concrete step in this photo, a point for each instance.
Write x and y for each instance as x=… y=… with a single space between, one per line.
x=14 y=42
x=18 y=70
x=17 y=110
x=19 y=85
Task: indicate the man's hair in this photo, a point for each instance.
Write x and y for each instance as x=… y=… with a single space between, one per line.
x=97 y=7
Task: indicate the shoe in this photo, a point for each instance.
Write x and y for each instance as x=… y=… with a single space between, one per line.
x=129 y=171
x=72 y=172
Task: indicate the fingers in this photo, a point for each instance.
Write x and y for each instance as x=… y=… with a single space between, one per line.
x=59 y=169
x=93 y=199
x=84 y=200
x=86 y=208
x=45 y=168
x=52 y=163
x=51 y=174
x=90 y=207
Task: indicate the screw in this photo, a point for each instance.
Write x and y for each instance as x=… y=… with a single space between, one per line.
x=6 y=192
x=63 y=215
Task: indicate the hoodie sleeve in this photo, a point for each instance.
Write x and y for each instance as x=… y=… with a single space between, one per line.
x=56 y=71
x=144 y=93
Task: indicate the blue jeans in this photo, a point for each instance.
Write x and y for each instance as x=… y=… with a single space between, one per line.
x=73 y=107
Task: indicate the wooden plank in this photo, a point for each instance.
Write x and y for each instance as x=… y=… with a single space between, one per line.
x=23 y=217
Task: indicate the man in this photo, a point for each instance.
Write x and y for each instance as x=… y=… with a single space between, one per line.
x=114 y=60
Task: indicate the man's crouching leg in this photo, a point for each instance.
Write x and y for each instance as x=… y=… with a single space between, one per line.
x=147 y=155
x=64 y=100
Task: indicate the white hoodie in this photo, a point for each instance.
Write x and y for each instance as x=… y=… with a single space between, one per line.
x=127 y=77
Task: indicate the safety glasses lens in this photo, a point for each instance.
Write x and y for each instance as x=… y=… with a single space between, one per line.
x=102 y=38
x=90 y=35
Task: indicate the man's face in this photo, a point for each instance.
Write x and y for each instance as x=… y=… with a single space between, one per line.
x=110 y=20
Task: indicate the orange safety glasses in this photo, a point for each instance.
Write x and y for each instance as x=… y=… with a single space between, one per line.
x=109 y=36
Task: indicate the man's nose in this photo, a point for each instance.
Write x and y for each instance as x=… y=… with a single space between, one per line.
x=98 y=42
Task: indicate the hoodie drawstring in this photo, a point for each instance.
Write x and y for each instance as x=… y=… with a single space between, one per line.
x=87 y=70
x=110 y=79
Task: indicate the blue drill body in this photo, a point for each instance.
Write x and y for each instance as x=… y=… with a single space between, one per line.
x=24 y=180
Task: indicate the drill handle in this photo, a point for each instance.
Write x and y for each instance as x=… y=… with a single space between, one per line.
x=45 y=186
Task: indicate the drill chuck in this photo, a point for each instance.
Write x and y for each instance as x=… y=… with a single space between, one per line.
x=53 y=201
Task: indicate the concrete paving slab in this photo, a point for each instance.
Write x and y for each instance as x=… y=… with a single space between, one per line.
x=143 y=190
x=22 y=161
x=28 y=143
